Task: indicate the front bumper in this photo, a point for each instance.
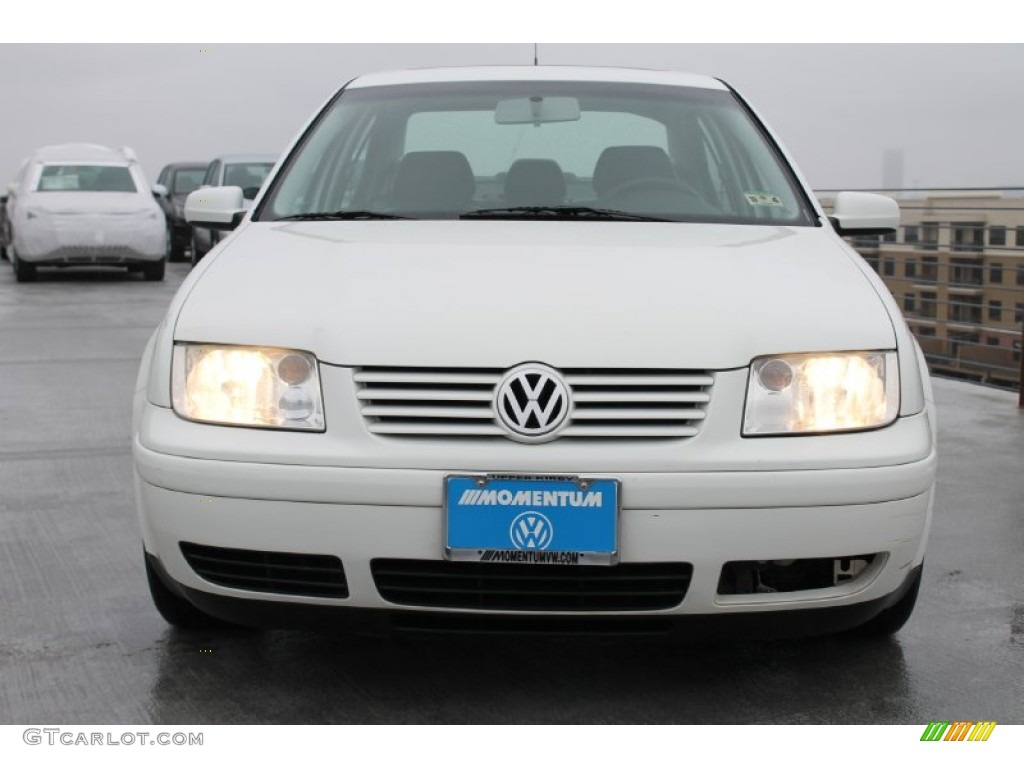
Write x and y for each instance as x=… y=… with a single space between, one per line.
x=703 y=518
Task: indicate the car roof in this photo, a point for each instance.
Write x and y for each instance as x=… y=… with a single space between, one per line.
x=80 y=153
x=179 y=166
x=537 y=73
x=251 y=158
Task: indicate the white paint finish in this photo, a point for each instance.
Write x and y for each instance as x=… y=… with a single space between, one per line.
x=568 y=294
x=541 y=74
x=708 y=538
x=865 y=210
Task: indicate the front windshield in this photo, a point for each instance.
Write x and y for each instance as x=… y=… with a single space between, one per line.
x=186 y=180
x=447 y=150
x=86 y=178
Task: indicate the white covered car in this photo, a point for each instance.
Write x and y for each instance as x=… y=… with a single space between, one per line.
x=542 y=349
x=82 y=205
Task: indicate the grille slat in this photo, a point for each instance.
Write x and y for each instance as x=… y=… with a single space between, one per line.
x=285 y=573
x=516 y=587
x=608 y=403
x=625 y=380
x=638 y=414
x=428 y=412
x=642 y=397
x=433 y=394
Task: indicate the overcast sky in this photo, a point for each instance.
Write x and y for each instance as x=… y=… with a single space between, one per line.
x=956 y=111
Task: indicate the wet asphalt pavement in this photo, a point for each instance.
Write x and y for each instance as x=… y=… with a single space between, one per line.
x=81 y=643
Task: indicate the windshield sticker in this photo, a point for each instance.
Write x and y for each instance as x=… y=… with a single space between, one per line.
x=763 y=198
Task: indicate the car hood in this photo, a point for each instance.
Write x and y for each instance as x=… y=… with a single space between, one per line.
x=569 y=294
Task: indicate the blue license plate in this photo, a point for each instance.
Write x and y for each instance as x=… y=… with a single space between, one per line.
x=555 y=520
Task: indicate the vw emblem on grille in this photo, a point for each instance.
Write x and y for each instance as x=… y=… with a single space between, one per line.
x=531 y=530
x=532 y=402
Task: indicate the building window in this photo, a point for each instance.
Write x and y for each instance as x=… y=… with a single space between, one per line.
x=930 y=237
x=965 y=273
x=992 y=341
x=909 y=302
x=930 y=269
x=927 y=305
x=995 y=310
x=968 y=237
x=1020 y=236
x=1020 y=275
x=910 y=268
x=865 y=241
x=995 y=274
x=925 y=330
x=1018 y=312
x=910 y=235
x=889 y=237
x=997 y=235
x=966 y=310
x=888 y=267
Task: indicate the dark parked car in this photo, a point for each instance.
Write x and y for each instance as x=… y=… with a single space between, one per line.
x=177 y=180
x=245 y=171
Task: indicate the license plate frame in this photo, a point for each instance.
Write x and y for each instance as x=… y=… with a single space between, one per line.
x=575 y=523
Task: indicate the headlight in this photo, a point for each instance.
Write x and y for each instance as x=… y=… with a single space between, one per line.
x=801 y=394
x=247 y=386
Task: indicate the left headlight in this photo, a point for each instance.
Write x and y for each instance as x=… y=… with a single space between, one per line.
x=247 y=386
x=815 y=393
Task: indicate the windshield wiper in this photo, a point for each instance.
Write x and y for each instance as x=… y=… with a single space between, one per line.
x=557 y=212
x=340 y=216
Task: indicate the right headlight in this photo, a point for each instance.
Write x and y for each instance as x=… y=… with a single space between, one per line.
x=247 y=386
x=816 y=393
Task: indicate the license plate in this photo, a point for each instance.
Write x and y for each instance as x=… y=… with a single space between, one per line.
x=552 y=519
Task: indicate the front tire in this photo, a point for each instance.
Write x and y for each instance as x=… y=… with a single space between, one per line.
x=154 y=271
x=197 y=255
x=23 y=271
x=891 y=620
x=177 y=611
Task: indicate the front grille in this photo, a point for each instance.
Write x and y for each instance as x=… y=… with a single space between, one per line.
x=608 y=403
x=94 y=254
x=283 y=573
x=500 y=587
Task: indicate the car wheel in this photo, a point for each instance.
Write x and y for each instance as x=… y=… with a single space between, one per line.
x=23 y=272
x=169 y=254
x=154 y=271
x=892 y=619
x=177 y=611
x=197 y=255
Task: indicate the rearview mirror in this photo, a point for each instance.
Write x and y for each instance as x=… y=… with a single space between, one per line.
x=864 y=213
x=215 y=207
x=159 y=190
x=537 y=110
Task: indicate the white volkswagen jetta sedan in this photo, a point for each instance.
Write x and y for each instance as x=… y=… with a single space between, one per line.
x=542 y=349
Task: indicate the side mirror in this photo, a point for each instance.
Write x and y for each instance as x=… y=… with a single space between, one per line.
x=159 y=190
x=215 y=207
x=864 y=213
